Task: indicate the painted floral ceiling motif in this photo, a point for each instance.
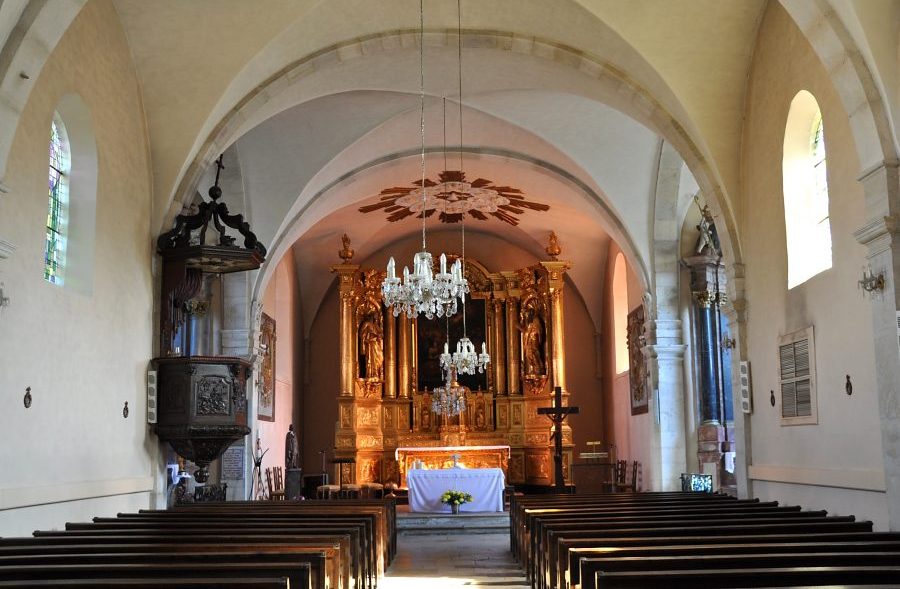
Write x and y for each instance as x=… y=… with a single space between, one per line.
x=452 y=196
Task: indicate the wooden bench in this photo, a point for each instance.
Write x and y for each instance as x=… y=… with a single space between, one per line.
x=571 y=551
x=775 y=577
x=339 y=569
x=137 y=583
x=593 y=569
x=296 y=572
x=322 y=537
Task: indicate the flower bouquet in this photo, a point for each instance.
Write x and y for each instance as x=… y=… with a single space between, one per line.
x=455 y=498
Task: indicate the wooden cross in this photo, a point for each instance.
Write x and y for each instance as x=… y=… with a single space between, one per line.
x=557 y=415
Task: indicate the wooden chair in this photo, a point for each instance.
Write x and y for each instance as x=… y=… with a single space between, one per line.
x=327 y=491
x=621 y=470
x=629 y=484
x=275 y=494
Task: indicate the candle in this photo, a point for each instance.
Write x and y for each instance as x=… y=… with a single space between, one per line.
x=483 y=348
x=405 y=274
x=443 y=263
x=390 y=268
x=446 y=348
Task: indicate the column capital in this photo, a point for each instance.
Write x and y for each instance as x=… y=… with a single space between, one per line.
x=666 y=351
x=878 y=233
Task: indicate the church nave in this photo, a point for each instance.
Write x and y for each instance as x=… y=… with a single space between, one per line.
x=448 y=561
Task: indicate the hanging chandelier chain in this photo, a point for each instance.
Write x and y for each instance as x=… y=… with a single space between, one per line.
x=422 y=105
x=459 y=75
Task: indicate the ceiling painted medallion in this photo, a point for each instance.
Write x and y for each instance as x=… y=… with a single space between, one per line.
x=452 y=197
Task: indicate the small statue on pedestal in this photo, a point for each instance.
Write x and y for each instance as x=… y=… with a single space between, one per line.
x=291 y=450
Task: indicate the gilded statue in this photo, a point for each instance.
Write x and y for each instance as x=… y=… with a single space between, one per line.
x=371 y=337
x=532 y=341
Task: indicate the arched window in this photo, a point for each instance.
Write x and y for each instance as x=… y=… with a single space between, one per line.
x=57 y=209
x=620 y=313
x=805 y=183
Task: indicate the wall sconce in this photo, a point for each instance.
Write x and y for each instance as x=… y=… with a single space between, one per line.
x=728 y=343
x=871 y=283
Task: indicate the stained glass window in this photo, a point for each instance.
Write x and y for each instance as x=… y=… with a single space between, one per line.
x=55 y=249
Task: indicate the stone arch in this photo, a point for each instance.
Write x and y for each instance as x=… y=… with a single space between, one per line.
x=616 y=229
x=629 y=96
x=39 y=27
x=852 y=78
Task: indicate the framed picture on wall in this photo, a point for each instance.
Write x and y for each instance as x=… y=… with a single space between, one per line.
x=265 y=382
x=637 y=371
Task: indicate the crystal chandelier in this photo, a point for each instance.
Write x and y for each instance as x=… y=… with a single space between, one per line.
x=449 y=399
x=465 y=360
x=422 y=291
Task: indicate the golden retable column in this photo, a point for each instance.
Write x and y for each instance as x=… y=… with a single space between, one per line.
x=403 y=353
x=498 y=351
x=347 y=278
x=556 y=272
x=390 y=354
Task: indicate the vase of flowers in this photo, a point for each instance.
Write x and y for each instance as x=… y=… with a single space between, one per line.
x=454 y=499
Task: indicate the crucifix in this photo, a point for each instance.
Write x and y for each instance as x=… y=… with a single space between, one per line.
x=557 y=415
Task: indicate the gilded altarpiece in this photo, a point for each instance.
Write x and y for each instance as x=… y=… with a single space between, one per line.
x=384 y=405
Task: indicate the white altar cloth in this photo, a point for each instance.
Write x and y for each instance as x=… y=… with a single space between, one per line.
x=484 y=484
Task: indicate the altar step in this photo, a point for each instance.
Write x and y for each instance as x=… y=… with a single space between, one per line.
x=417 y=524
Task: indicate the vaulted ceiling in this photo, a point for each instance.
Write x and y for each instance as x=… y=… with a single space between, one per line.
x=317 y=102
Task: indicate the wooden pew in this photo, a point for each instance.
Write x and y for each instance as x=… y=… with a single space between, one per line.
x=594 y=568
x=54 y=545
x=169 y=554
x=316 y=537
x=571 y=551
x=170 y=583
x=296 y=572
x=544 y=546
x=336 y=526
x=775 y=577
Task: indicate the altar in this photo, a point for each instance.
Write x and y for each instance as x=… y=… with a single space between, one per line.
x=387 y=419
x=484 y=484
x=441 y=457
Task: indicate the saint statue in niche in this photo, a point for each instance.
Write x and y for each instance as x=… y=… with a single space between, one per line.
x=532 y=342
x=371 y=338
x=291 y=450
x=479 y=416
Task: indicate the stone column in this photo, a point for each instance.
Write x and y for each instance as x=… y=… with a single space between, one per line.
x=666 y=396
x=390 y=354
x=708 y=293
x=881 y=235
x=497 y=351
x=236 y=320
x=403 y=356
x=347 y=275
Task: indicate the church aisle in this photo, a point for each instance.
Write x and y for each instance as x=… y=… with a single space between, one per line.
x=445 y=561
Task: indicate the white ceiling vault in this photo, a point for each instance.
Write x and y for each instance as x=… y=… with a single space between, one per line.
x=317 y=101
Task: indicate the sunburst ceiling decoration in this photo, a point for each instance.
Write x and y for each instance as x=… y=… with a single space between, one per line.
x=452 y=196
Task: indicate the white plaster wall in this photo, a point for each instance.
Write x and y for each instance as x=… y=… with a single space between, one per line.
x=83 y=355
x=837 y=464
x=632 y=434
x=280 y=301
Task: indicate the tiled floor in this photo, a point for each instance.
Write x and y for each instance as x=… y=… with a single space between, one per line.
x=446 y=561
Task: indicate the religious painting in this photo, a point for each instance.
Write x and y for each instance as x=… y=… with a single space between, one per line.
x=266 y=379
x=637 y=367
x=432 y=334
